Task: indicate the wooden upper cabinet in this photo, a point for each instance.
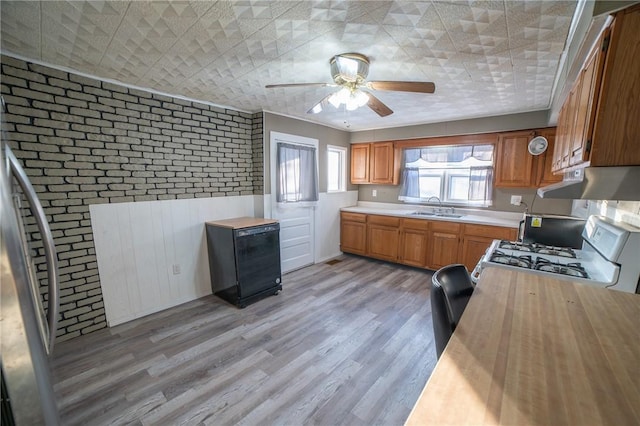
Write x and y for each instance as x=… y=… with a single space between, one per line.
x=586 y=88
x=517 y=168
x=514 y=164
x=360 y=163
x=599 y=123
x=616 y=132
x=544 y=172
x=383 y=169
x=376 y=163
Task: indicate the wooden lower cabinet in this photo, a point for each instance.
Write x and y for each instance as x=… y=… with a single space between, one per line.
x=473 y=248
x=353 y=233
x=421 y=243
x=477 y=238
x=444 y=241
x=414 y=242
x=383 y=237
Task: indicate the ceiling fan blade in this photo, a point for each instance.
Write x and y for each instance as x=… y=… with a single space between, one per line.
x=403 y=86
x=378 y=107
x=272 y=86
x=320 y=105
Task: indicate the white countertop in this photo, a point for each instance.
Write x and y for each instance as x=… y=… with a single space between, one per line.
x=473 y=216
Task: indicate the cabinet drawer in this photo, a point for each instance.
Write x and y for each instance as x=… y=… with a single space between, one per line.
x=494 y=232
x=384 y=220
x=445 y=227
x=353 y=217
x=419 y=224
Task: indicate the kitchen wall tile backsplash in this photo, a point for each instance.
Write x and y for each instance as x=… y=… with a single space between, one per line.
x=83 y=141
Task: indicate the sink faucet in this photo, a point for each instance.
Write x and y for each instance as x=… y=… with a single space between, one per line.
x=440 y=208
x=439 y=202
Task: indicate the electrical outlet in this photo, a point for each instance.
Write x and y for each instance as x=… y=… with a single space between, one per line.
x=176 y=269
x=374 y=192
x=516 y=200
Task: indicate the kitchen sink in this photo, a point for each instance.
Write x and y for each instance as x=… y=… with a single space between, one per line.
x=419 y=213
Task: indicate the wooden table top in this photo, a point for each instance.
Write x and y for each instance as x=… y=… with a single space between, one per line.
x=535 y=350
x=242 y=222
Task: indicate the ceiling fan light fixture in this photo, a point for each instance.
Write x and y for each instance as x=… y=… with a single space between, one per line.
x=340 y=97
x=349 y=68
x=360 y=98
x=351 y=99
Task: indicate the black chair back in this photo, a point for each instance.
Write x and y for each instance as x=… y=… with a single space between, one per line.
x=451 y=289
x=442 y=326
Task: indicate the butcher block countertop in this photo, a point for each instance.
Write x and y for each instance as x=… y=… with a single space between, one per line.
x=242 y=222
x=534 y=350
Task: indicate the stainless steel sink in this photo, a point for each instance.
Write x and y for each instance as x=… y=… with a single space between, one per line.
x=433 y=214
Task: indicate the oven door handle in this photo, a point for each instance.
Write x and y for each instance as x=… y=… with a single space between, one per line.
x=47 y=241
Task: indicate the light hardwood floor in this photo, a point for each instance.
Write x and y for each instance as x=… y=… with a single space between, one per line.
x=349 y=343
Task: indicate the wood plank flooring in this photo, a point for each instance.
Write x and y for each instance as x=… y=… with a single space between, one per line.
x=344 y=343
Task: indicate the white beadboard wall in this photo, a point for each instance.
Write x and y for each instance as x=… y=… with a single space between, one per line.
x=327 y=223
x=138 y=243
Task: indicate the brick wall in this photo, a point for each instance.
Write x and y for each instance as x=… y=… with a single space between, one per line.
x=83 y=141
x=258 y=156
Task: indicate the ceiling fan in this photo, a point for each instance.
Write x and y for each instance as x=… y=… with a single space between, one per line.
x=349 y=71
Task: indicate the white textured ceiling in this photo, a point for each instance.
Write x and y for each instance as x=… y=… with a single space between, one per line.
x=485 y=57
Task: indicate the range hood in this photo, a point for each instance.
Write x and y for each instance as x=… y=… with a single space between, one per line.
x=597 y=183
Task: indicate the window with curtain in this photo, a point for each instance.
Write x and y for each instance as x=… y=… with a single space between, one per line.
x=296 y=173
x=456 y=174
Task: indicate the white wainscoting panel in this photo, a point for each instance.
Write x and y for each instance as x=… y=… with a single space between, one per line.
x=138 y=245
x=328 y=222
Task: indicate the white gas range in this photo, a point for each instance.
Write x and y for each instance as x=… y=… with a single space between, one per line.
x=610 y=257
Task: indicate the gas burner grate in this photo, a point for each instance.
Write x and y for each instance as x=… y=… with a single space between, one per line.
x=515 y=245
x=556 y=251
x=505 y=259
x=573 y=269
x=537 y=248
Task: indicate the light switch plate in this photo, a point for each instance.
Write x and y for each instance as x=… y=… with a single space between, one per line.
x=516 y=200
x=374 y=192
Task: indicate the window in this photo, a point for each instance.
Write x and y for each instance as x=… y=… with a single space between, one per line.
x=296 y=174
x=336 y=168
x=456 y=174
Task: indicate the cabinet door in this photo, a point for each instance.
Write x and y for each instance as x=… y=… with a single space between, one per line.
x=514 y=165
x=569 y=118
x=353 y=232
x=382 y=242
x=382 y=163
x=616 y=134
x=585 y=92
x=413 y=247
x=444 y=249
x=360 y=163
x=561 y=139
x=545 y=174
x=353 y=237
x=473 y=248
